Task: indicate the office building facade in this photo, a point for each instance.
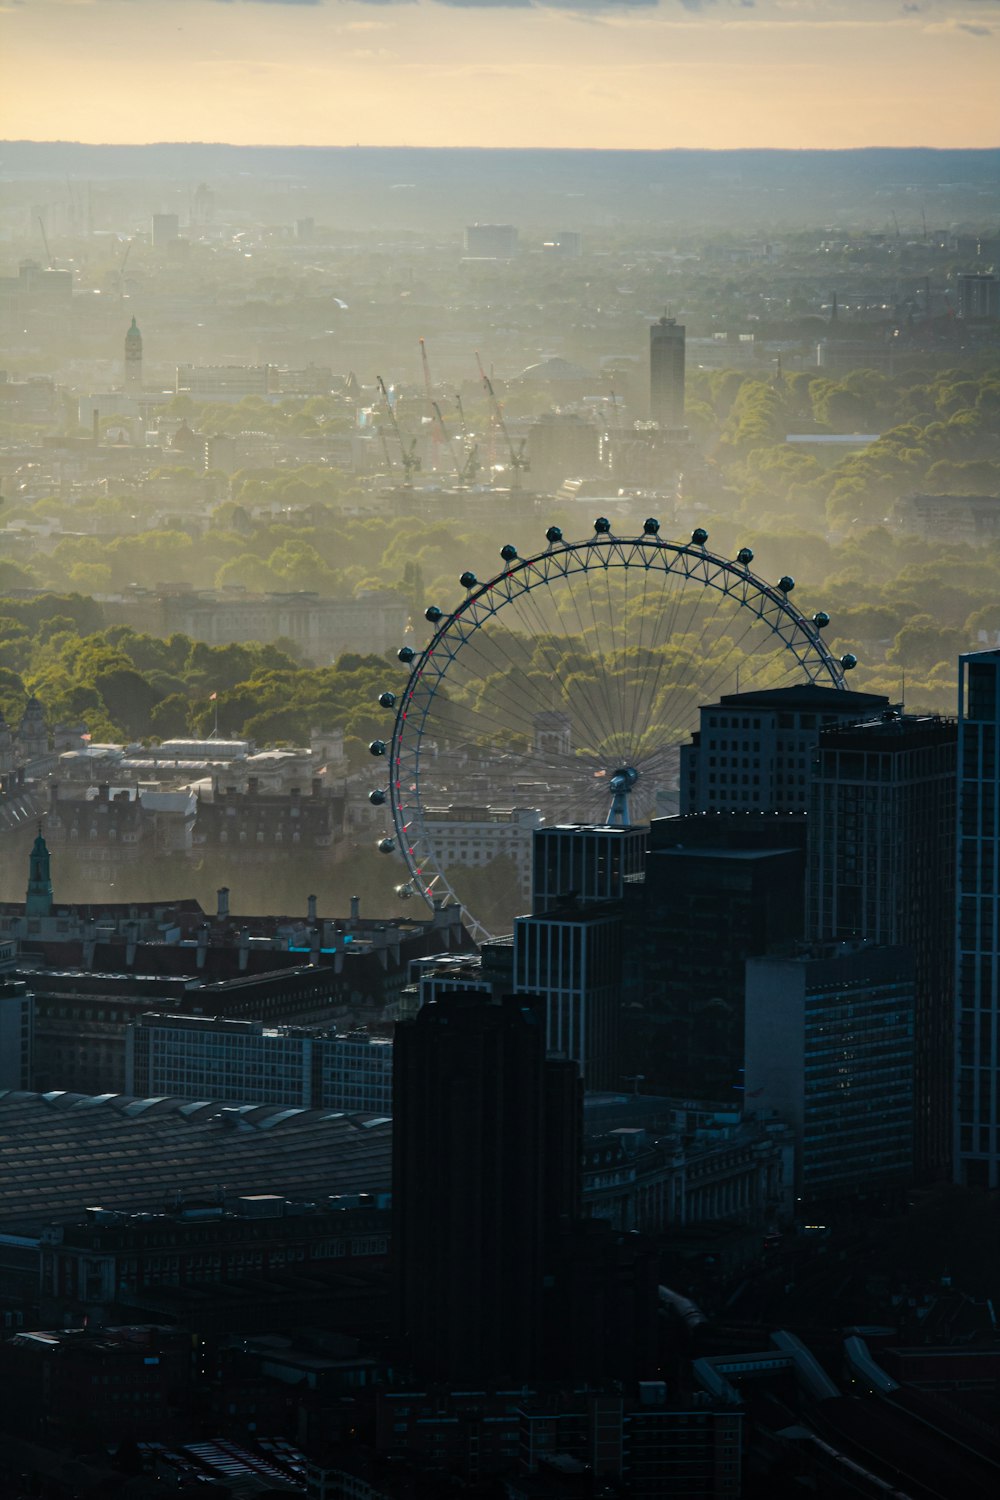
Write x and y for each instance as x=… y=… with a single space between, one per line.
x=881 y=867
x=572 y=958
x=977 y=980
x=830 y=1049
x=708 y=903
x=246 y=1062
x=754 y=751
x=591 y=862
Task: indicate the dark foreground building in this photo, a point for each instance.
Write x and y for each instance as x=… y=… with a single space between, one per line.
x=486 y=1146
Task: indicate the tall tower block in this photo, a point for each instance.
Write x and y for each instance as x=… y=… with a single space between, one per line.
x=133 y=361
x=666 y=372
x=38 y=899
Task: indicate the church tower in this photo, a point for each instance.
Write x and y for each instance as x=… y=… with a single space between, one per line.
x=133 y=361
x=38 y=900
x=33 y=734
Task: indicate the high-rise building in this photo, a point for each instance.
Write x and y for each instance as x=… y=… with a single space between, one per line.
x=133 y=361
x=713 y=896
x=754 y=750
x=977 y=981
x=485 y=1167
x=978 y=297
x=591 y=862
x=830 y=1049
x=571 y=956
x=881 y=867
x=163 y=230
x=666 y=372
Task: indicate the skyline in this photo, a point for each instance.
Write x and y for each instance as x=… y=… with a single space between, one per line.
x=809 y=74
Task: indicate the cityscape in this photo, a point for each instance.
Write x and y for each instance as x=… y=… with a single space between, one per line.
x=500 y=753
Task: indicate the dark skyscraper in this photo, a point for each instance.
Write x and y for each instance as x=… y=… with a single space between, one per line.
x=977 y=985
x=716 y=893
x=666 y=373
x=486 y=1146
x=881 y=868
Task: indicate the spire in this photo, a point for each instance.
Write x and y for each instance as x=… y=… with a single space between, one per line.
x=38 y=900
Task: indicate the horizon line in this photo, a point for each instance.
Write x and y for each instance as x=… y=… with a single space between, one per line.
x=405 y=146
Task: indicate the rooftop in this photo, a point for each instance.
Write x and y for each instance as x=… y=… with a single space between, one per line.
x=60 y=1151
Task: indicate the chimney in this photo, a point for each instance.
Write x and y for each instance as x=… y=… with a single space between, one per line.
x=53 y=793
x=202 y=944
x=103 y=792
x=253 y=785
x=314 y=937
x=131 y=939
x=97 y=428
x=222 y=902
x=244 y=948
x=311 y=908
x=355 y=908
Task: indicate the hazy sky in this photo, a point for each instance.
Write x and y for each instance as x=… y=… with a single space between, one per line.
x=598 y=73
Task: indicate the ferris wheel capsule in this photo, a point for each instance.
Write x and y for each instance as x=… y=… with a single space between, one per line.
x=821 y=619
x=848 y=661
x=377 y=747
x=468 y=580
x=745 y=556
x=508 y=552
x=387 y=700
x=377 y=797
x=553 y=535
x=699 y=536
x=405 y=653
x=433 y=614
x=786 y=584
x=386 y=845
x=650 y=526
x=405 y=891
x=602 y=526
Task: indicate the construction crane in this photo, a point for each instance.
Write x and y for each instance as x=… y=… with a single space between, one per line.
x=385 y=448
x=411 y=463
x=45 y=242
x=447 y=438
x=518 y=462
x=121 y=272
x=429 y=393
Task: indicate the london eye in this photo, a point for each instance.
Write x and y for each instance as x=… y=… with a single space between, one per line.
x=560 y=688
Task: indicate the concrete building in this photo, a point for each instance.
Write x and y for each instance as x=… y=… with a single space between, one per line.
x=226 y=382
x=562 y=445
x=712 y=898
x=246 y=1062
x=589 y=862
x=572 y=957
x=163 y=230
x=666 y=373
x=754 y=751
x=486 y=1133
x=952 y=518
x=830 y=1049
x=491 y=241
x=323 y=629
x=977 y=980
x=17 y=1024
x=978 y=297
x=881 y=867
x=471 y=837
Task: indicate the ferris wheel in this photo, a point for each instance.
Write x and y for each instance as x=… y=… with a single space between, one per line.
x=560 y=689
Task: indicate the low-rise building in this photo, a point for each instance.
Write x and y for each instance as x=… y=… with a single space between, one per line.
x=246 y=1062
